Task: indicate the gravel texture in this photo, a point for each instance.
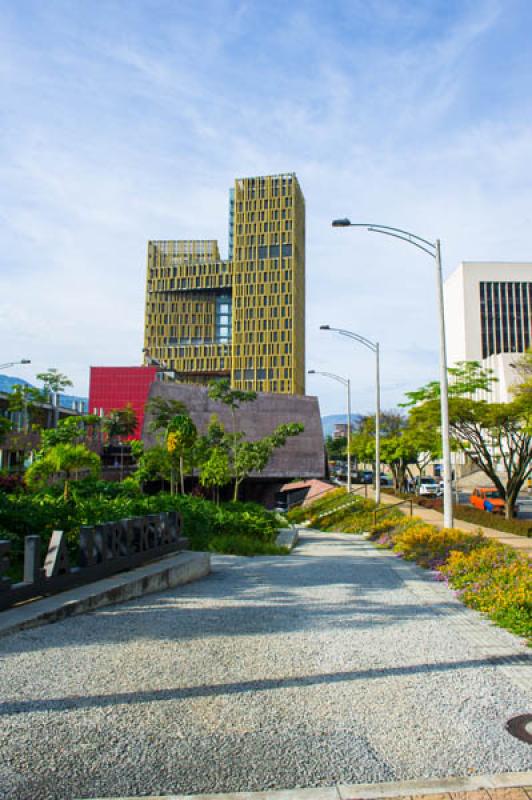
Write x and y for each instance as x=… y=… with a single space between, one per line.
x=338 y=663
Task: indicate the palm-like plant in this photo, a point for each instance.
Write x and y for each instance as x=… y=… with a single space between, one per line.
x=63 y=459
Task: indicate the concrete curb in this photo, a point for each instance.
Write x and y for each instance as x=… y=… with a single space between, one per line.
x=365 y=791
x=287 y=537
x=173 y=570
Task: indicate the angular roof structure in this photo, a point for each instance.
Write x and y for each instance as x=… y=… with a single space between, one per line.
x=302 y=456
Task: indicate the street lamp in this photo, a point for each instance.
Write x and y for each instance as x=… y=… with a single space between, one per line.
x=347 y=383
x=432 y=249
x=374 y=347
x=14 y=363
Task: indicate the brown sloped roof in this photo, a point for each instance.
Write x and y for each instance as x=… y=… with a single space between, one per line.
x=302 y=456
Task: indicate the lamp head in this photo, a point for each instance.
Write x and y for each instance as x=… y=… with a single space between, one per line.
x=341 y=223
x=311 y=371
x=25 y=361
x=325 y=327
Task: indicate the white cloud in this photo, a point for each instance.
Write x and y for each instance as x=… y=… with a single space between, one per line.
x=121 y=128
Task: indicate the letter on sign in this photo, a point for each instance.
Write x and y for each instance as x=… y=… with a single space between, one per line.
x=56 y=562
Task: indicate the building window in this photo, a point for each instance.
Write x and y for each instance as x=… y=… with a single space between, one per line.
x=505 y=318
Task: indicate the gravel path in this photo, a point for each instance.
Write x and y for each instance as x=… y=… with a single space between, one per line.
x=338 y=663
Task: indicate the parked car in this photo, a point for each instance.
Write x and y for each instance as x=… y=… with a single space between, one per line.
x=427 y=487
x=487 y=499
x=362 y=476
x=386 y=480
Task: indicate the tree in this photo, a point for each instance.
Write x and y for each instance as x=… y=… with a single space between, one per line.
x=336 y=448
x=25 y=399
x=162 y=411
x=71 y=430
x=180 y=439
x=54 y=383
x=5 y=426
x=522 y=391
x=221 y=392
x=215 y=471
x=254 y=456
x=492 y=434
x=153 y=464
x=63 y=459
x=424 y=442
x=53 y=380
x=120 y=423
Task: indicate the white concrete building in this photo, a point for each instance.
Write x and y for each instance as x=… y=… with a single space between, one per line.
x=488 y=316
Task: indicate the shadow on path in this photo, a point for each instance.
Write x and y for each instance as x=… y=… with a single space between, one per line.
x=75 y=703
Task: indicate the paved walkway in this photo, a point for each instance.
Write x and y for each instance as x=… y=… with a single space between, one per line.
x=435 y=518
x=338 y=664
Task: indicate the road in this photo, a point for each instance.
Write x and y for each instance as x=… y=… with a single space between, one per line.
x=338 y=663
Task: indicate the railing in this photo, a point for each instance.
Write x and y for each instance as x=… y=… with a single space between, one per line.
x=344 y=505
x=103 y=551
x=393 y=505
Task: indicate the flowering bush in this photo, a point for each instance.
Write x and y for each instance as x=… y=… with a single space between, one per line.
x=497 y=580
x=431 y=547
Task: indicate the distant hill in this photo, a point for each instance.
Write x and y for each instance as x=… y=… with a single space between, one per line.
x=65 y=400
x=331 y=420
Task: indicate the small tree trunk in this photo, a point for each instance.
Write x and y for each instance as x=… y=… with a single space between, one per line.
x=181 y=474
x=235 y=493
x=66 y=489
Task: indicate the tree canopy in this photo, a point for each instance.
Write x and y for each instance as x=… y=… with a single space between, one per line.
x=495 y=436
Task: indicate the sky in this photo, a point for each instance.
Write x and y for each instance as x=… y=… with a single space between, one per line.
x=122 y=122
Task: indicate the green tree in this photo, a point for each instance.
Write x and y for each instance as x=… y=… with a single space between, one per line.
x=5 y=426
x=25 y=400
x=162 y=411
x=424 y=442
x=254 y=456
x=492 y=434
x=66 y=460
x=119 y=424
x=215 y=471
x=522 y=389
x=54 y=382
x=336 y=448
x=180 y=439
x=71 y=430
x=221 y=392
x=154 y=465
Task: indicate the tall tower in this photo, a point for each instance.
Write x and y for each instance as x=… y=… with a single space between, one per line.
x=243 y=318
x=269 y=285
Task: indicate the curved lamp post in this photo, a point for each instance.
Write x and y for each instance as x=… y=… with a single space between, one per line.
x=347 y=383
x=432 y=249
x=374 y=347
x=14 y=363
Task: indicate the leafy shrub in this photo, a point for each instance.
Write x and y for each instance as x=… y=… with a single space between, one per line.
x=11 y=482
x=497 y=580
x=430 y=547
x=203 y=521
x=520 y=527
x=297 y=514
x=244 y=546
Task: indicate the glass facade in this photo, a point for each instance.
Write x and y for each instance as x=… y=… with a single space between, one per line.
x=505 y=317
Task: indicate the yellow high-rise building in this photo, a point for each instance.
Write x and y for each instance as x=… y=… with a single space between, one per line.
x=243 y=318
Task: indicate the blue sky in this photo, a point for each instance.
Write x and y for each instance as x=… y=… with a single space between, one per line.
x=127 y=121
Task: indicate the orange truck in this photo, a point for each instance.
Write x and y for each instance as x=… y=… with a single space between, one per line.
x=487 y=499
